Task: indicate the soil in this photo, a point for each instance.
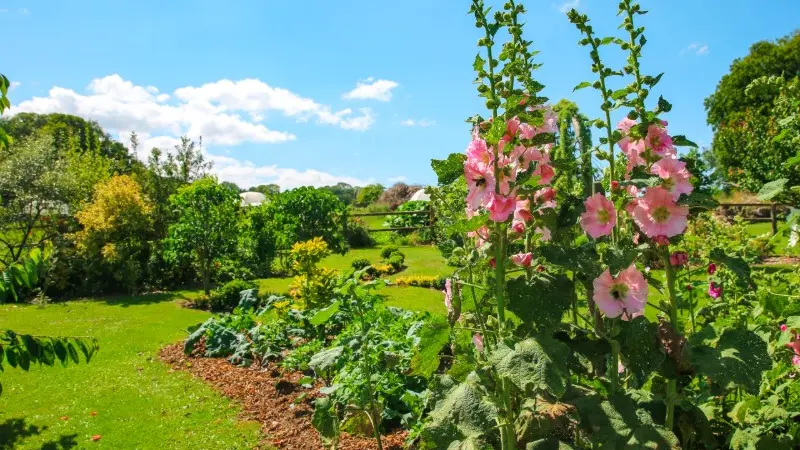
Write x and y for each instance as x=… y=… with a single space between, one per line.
x=274 y=399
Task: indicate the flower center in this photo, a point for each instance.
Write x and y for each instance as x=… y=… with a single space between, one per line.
x=619 y=291
x=661 y=214
x=603 y=216
x=668 y=183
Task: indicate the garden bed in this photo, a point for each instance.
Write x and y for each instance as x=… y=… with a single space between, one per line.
x=275 y=400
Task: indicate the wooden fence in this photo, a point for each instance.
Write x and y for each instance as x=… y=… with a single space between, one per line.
x=773 y=212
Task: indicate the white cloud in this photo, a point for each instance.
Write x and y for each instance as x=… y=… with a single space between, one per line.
x=396 y=179
x=215 y=111
x=246 y=174
x=14 y=85
x=568 y=5
x=696 y=48
x=418 y=123
x=372 y=89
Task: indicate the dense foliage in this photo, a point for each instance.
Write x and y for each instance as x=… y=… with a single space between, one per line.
x=749 y=113
x=206 y=228
x=304 y=213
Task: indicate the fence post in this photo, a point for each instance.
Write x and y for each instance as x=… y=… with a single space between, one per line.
x=773 y=216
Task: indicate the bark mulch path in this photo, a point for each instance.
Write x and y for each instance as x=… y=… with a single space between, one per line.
x=277 y=402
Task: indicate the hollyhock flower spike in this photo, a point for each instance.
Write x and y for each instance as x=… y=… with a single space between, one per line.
x=657 y=214
x=600 y=217
x=675 y=175
x=626 y=293
x=477 y=339
x=522 y=259
x=546 y=198
x=480 y=183
x=714 y=290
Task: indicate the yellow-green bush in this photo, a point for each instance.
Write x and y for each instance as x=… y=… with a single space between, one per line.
x=313 y=285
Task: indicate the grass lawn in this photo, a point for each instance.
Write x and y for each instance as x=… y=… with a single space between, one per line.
x=420 y=261
x=139 y=403
x=781 y=239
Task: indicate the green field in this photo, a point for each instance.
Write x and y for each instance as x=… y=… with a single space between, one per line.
x=139 y=402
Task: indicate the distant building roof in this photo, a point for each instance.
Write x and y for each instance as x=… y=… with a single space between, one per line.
x=252 y=198
x=420 y=195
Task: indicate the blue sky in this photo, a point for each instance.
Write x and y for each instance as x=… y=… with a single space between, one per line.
x=164 y=68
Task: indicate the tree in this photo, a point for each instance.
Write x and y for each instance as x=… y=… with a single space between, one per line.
x=189 y=160
x=206 y=226
x=779 y=58
x=70 y=133
x=753 y=150
x=345 y=192
x=305 y=213
x=116 y=226
x=742 y=112
x=270 y=190
x=398 y=194
x=369 y=194
x=40 y=186
x=232 y=186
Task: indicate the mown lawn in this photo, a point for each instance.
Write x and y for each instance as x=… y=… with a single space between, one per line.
x=139 y=403
x=419 y=261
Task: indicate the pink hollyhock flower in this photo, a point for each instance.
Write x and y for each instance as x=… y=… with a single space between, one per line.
x=600 y=217
x=620 y=367
x=545 y=172
x=517 y=226
x=511 y=129
x=658 y=140
x=493 y=263
x=626 y=293
x=794 y=345
x=522 y=259
x=448 y=295
x=478 y=151
x=522 y=211
x=796 y=360
x=678 y=259
x=712 y=268
x=546 y=198
x=480 y=183
x=675 y=175
x=714 y=290
x=500 y=207
x=481 y=235
x=477 y=339
x=625 y=125
x=783 y=328
x=657 y=214
x=545 y=232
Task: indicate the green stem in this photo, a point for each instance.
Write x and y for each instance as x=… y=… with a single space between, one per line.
x=613 y=370
x=673 y=317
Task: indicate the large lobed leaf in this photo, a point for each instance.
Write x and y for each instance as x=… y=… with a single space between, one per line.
x=739 y=357
x=448 y=170
x=640 y=350
x=536 y=365
x=540 y=302
x=617 y=424
x=464 y=419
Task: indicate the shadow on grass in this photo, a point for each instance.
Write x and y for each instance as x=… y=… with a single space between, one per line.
x=139 y=300
x=15 y=430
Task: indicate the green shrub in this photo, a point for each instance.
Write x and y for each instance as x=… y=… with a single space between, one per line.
x=357 y=234
x=359 y=263
x=396 y=261
x=387 y=251
x=407 y=220
x=227 y=296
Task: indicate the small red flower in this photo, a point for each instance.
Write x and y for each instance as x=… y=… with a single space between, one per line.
x=96 y=437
